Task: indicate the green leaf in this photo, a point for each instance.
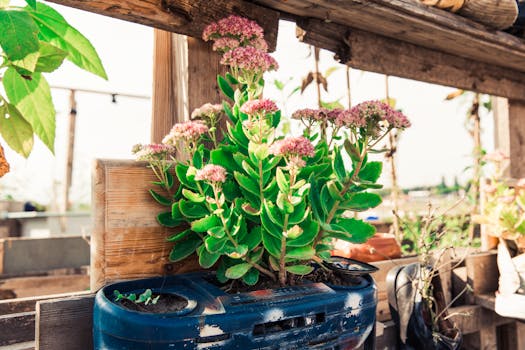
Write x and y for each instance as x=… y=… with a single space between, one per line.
x=362 y=201
x=247 y=183
x=166 y=219
x=371 y=172
x=236 y=252
x=31 y=3
x=315 y=199
x=301 y=253
x=215 y=245
x=192 y=210
x=207 y=259
x=226 y=89
x=283 y=184
x=299 y=214
x=271 y=244
x=26 y=65
x=269 y=226
x=251 y=277
x=207 y=222
x=273 y=214
x=18 y=36
x=217 y=231
x=237 y=271
x=224 y=158
x=253 y=238
x=169 y=178
x=327 y=201
x=185 y=248
x=299 y=269
x=339 y=166
x=15 y=130
x=310 y=230
x=33 y=100
x=178 y=236
x=50 y=58
x=160 y=198
x=55 y=30
x=180 y=171
x=358 y=230
x=334 y=190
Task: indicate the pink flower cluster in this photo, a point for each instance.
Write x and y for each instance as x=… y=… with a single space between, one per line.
x=293 y=146
x=187 y=131
x=152 y=151
x=249 y=59
x=310 y=114
x=211 y=173
x=233 y=26
x=257 y=107
x=374 y=111
x=206 y=111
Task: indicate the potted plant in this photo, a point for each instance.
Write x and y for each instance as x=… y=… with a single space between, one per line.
x=504 y=215
x=261 y=211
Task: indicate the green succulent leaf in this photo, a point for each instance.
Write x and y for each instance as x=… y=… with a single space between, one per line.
x=251 y=277
x=225 y=87
x=237 y=271
x=334 y=191
x=206 y=223
x=358 y=230
x=339 y=166
x=282 y=182
x=362 y=201
x=178 y=236
x=215 y=245
x=299 y=269
x=224 y=158
x=247 y=183
x=166 y=219
x=160 y=198
x=299 y=214
x=310 y=230
x=301 y=253
x=183 y=249
x=271 y=244
x=371 y=172
x=273 y=214
x=253 y=238
x=192 y=210
x=207 y=259
x=217 y=231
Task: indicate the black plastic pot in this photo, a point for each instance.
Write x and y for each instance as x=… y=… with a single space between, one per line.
x=310 y=316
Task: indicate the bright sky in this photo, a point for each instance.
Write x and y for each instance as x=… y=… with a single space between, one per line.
x=437 y=145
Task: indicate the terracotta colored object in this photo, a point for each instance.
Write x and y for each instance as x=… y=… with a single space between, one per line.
x=382 y=246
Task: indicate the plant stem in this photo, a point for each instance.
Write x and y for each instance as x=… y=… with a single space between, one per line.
x=282 y=260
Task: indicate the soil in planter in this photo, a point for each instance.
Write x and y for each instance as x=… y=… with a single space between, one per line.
x=319 y=275
x=167 y=303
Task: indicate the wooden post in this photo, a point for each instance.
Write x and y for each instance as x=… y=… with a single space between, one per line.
x=169 y=83
x=72 y=121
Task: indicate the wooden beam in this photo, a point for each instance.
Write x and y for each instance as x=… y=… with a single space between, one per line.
x=516 y=122
x=412 y=22
x=169 y=101
x=188 y=17
x=20 y=256
x=14 y=306
x=17 y=328
x=65 y=323
x=376 y=53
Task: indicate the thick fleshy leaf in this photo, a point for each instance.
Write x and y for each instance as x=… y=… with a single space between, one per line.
x=217 y=231
x=55 y=30
x=224 y=158
x=33 y=99
x=273 y=214
x=310 y=230
x=299 y=269
x=225 y=87
x=269 y=226
x=362 y=201
x=282 y=182
x=50 y=58
x=271 y=244
x=301 y=253
x=178 y=236
x=207 y=259
x=15 y=130
x=18 y=36
x=299 y=214
x=251 y=277
x=371 y=172
x=358 y=230
x=160 y=198
x=214 y=245
x=183 y=249
x=166 y=219
x=192 y=210
x=207 y=222
x=339 y=166
x=237 y=271
x=253 y=238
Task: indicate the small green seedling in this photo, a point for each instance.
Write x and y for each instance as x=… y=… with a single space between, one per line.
x=146 y=297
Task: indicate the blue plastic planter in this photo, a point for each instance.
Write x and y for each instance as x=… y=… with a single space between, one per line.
x=314 y=316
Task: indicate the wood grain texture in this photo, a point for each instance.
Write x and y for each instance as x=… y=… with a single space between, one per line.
x=188 y=17
x=169 y=101
x=65 y=323
x=482 y=272
x=23 y=287
x=14 y=306
x=517 y=138
x=377 y=53
x=17 y=328
x=127 y=242
x=415 y=23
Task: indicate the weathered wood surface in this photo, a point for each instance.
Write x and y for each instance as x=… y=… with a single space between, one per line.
x=14 y=306
x=516 y=138
x=180 y=16
x=65 y=323
x=23 y=287
x=482 y=272
x=17 y=328
x=20 y=256
x=169 y=101
x=412 y=22
x=127 y=242
x=367 y=51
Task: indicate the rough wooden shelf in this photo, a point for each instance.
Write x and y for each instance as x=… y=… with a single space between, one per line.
x=412 y=22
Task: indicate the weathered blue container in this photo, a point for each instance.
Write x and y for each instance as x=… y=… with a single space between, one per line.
x=314 y=316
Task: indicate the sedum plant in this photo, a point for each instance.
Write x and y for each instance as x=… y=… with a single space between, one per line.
x=257 y=203
x=35 y=39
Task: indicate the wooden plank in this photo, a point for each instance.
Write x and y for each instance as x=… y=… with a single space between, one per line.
x=482 y=272
x=23 y=287
x=415 y=23
x=17 y=328
x=169 y=99
x=366 y=51
x=65 y=323
x=33 y=255
x=517 y=138
x=188 y=17
x=127 y=242
x=14 y=306
x=30 y=345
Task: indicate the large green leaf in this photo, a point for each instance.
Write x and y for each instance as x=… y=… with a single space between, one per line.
x=253 y=238
x=247 y=183
x=271 y=244
x=204 y=224
x=192 y=210
x=207 y=259
x=18 y=34
x=15 y=130
x=310 y=231
x=251 y=277
x=33 y=100
x=166 y=219
x=214 y=245
x=50 y=58
x=339 y=166
x=183 y=249
x=26 y=65
x=237 y=271
x=301 y=253
x=55 y=30
x=225 y=87
x=358 y=230
x=362 y=201
x=31 y=3
x=299 y=269
x=160 y=198
x=371 y=171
